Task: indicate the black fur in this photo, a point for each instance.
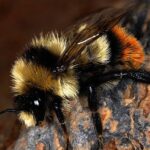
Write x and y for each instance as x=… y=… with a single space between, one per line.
x=115 y=46
x=41 y=56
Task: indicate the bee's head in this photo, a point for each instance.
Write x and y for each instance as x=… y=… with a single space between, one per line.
x=32 y=106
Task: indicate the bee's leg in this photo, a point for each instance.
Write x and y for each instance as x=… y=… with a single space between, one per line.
x=93 y=105
x=139 y=76
x=60 y=116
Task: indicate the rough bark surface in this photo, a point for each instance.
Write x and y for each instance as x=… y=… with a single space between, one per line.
x=124 y=110
x=125 y=118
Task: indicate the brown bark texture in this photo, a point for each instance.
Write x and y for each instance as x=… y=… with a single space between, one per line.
x=124 y=110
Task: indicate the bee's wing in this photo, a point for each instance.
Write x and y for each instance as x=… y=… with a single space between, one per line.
x=89 y=19
x=92 y=27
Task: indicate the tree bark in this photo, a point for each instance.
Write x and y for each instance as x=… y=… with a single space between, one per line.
x=125 y=118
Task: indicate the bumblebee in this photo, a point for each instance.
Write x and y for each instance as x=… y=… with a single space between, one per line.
x=57 y=68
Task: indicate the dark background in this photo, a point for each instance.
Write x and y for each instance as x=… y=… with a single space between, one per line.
x=20 y=20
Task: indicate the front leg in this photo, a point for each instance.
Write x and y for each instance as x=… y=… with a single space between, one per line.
x=57 y=108
x=93 y=105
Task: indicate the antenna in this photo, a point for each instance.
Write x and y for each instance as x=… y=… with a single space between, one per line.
x=9 y=110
